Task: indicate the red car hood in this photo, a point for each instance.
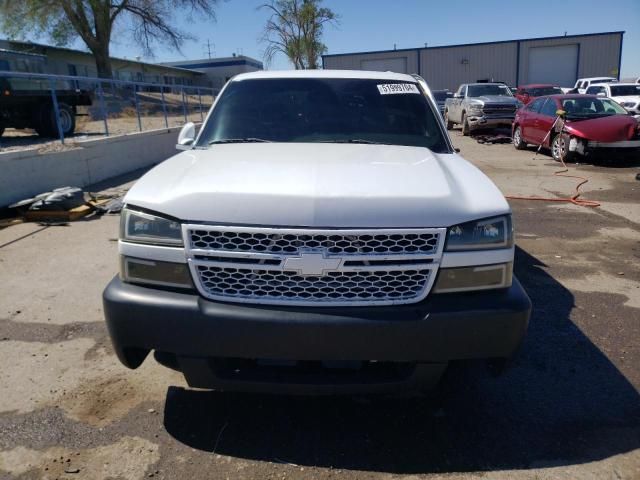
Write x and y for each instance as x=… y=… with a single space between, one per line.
x=604 y=129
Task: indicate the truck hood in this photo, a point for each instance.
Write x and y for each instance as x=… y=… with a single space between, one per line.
x=318 y=185
x=497 y=99
x=614 y=128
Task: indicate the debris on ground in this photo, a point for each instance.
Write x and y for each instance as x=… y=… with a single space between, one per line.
x=62 y=205
x=491 y=139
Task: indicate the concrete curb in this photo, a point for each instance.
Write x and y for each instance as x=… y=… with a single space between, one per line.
x=28 y=172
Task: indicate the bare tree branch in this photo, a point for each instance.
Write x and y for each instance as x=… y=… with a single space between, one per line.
x=150 y=22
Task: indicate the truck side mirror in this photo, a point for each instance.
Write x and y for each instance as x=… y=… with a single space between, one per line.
x=186 y=137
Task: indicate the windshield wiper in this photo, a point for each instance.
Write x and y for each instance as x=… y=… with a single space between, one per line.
x=354 y=140
x=239 y=140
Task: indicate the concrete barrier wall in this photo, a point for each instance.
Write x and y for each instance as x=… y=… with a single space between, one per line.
x=29 y=172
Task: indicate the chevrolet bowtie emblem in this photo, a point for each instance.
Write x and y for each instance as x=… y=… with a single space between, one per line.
x=311 y=264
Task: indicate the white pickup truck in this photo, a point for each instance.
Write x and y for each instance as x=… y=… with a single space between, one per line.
x=480 y=106
x=319 y=235
x=626 y=94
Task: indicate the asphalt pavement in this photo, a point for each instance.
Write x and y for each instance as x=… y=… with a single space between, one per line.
x=568 y=408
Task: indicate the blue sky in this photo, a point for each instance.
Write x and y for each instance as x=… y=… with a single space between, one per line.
x=379 y=24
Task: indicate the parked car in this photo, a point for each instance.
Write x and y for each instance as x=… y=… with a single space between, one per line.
x=440 y=97
x=626 y=94
x=526 y=93
x=592 y=124
x=583 y=83
x=481 y=105
x=320 y=235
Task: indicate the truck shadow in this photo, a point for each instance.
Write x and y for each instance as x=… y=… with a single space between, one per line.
x=563 y=402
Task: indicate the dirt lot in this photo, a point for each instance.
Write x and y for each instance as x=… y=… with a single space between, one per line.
x=13 y=140
x=568 y=409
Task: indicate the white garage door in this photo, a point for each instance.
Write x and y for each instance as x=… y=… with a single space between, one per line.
x=397 y=64
x=556 y=65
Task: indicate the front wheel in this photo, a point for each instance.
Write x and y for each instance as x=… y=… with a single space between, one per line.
x=560 y=149
x=518 y=142
x=466 y=130
x=447 y=121
x=47 y=125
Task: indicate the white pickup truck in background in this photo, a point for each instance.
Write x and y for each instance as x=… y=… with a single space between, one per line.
x=320 y=235
x=626 y=94
x=582 y=84
x=481 y=106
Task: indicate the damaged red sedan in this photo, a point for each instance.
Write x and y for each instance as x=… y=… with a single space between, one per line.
x=591 y=125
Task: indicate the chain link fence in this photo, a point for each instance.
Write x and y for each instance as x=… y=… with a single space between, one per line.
x=39 y=108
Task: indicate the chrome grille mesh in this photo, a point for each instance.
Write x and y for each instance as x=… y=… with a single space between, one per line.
x=249 y=283
x=392 y=243
x=313 y=267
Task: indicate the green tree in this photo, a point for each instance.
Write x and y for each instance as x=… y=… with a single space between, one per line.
x=295 y=29
x=147 y=21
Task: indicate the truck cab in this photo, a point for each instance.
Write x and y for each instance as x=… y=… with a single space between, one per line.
x=582 y=84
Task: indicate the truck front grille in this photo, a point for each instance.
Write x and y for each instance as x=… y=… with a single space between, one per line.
x=256 y=284
x=313 y=267
x=498 y=109
x=333 y=243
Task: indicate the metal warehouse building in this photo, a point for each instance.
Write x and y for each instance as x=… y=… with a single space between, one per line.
x=558 y=60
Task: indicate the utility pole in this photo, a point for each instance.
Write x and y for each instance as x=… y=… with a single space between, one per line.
x=209 y=48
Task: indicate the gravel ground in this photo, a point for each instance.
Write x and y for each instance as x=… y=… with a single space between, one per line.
x=15 y=140
x=568 y=409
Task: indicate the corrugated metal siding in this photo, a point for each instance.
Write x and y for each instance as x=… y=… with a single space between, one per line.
x=449 y=67
x=598 y=55
x=442 y=67
x=354 y=62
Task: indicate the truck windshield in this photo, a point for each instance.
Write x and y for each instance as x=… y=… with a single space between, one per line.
x=542 y=91
x=482 y=90
x=589 y=107
x=624 y=90
x=315 y=110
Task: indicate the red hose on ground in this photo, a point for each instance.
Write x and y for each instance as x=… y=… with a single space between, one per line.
x=573 y=199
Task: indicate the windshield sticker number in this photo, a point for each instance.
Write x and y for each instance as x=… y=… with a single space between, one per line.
x=397 y=88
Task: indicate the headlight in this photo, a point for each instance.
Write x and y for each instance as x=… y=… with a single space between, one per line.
x=475 y=108
x=490 y=233
x=146 y=228
x=465 y=279
x=627 y=104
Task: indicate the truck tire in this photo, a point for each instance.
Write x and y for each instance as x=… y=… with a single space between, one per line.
x=47 y=125
x=447 y=121
x=518 y=142
x=466 y=130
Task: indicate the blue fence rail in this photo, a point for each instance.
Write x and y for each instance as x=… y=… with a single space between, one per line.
x=59 y=105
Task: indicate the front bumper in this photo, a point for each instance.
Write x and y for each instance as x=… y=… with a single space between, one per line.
x=485 y=121
x=422 y=337
x=604 y=149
